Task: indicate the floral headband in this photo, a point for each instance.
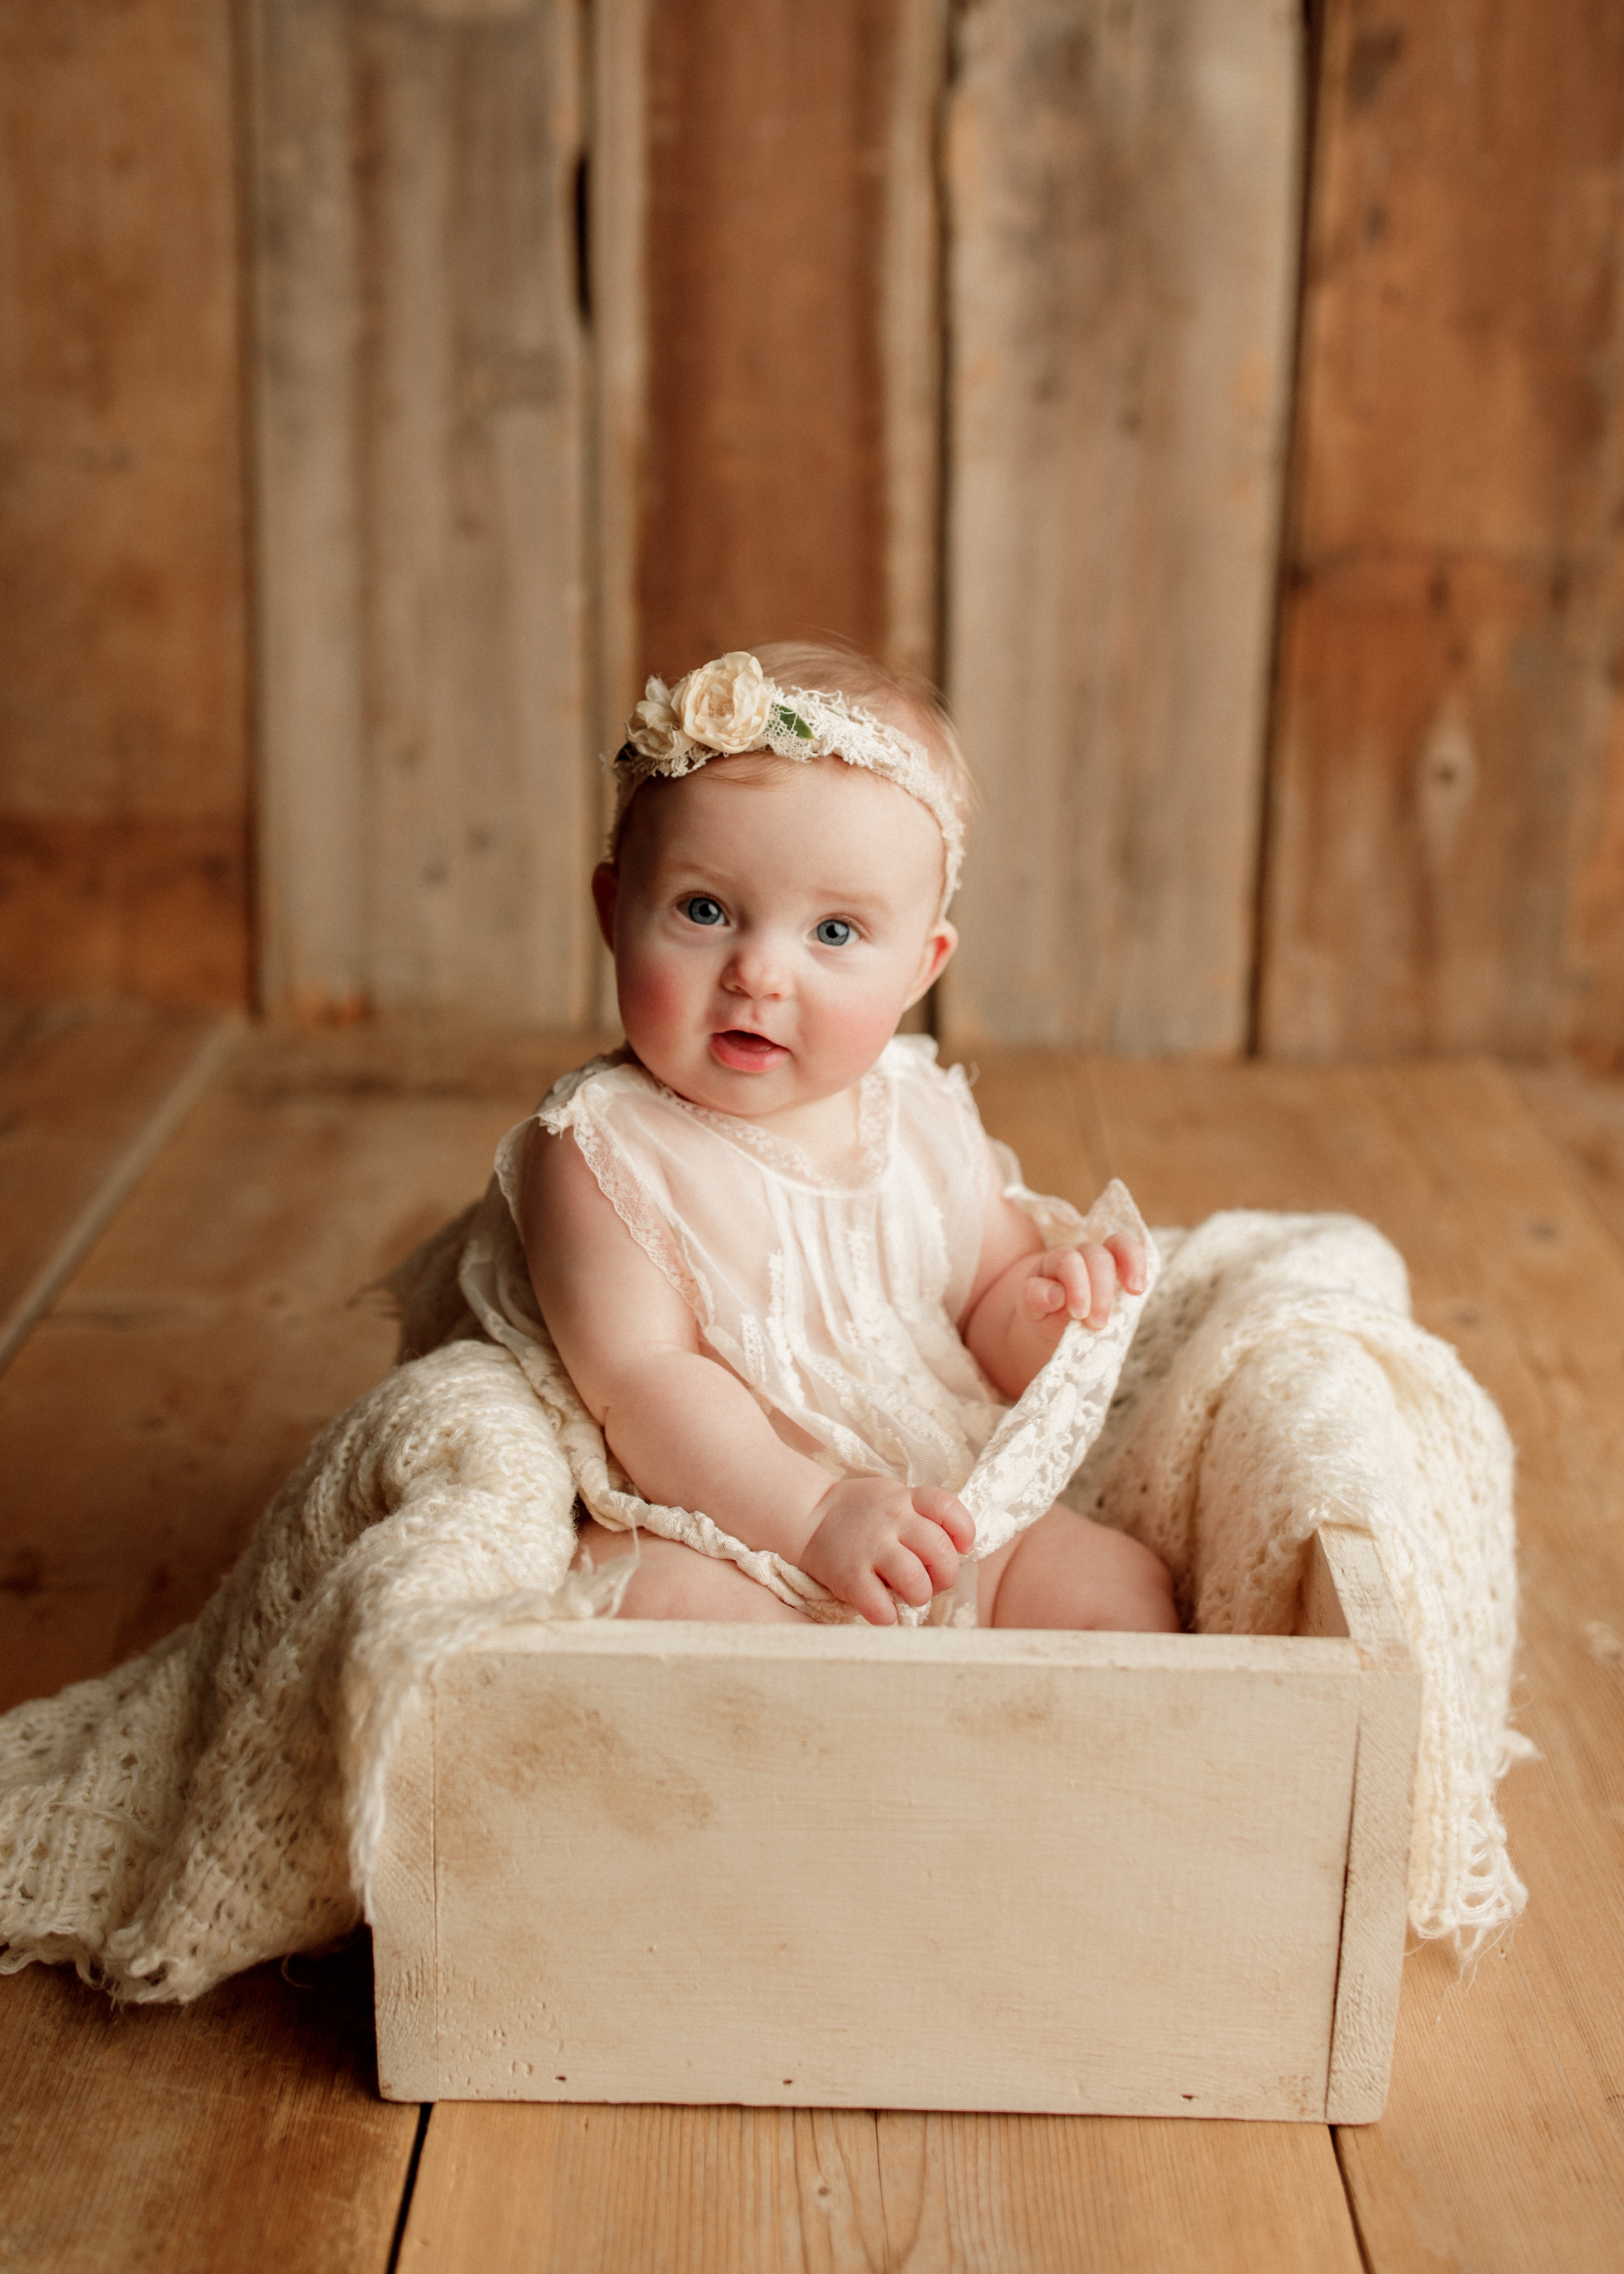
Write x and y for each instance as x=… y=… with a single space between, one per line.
x=730 y=706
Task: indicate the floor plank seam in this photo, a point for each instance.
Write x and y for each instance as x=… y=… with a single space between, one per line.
x=1366 y=2260
x=409 y=2187
x=115 y=1188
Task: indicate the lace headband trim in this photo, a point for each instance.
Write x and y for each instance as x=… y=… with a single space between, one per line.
x=731 y=706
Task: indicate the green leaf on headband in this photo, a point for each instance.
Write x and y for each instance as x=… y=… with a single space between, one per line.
x=784 y=716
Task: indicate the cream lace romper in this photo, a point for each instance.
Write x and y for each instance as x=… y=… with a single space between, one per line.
x=832 y=1295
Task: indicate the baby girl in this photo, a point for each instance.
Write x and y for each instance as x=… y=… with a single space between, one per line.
x=773 y=1247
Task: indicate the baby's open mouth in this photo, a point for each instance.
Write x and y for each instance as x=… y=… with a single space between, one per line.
x=747 y=1053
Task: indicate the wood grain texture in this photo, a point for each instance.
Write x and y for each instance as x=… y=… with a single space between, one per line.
x=787 y=168
x=1498 y=2150
x=244 y=2130
x=632 y=2190
x=123 y=768
x=1040 y=1103
x=1172 y=1812
x=1584 y=1117
x=430 y=807
x=726 y=2191
x=1122 y=200
x=1047 y=2195
x=1448 y=832
x=83 y=1089
x=221 y=1320
x=1346 y=1593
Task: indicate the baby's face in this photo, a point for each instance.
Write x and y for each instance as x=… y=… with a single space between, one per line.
x=769 y=929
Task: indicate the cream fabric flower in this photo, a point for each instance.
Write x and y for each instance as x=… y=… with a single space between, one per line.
x=725 y=704
x=655 y=731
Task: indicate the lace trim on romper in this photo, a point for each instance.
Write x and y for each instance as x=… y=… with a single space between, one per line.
x=898 y=1275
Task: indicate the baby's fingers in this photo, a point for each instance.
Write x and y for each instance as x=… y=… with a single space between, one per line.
x=905 y=1574
x=947 y=1510
x=1130 y=1258
x=934 y=1550
x=1101 y=1265
x=1058 y=1284
x=869 y=1594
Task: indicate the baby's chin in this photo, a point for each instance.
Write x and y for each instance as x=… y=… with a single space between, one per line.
x=729 y=1072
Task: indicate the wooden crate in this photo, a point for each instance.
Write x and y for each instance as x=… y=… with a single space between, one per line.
x=843 y=1867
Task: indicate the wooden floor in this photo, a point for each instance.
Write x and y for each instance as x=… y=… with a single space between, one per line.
x=187 y=1212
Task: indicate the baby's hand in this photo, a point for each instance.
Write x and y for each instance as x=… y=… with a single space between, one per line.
x=1081 y=1282
x=875 y=1541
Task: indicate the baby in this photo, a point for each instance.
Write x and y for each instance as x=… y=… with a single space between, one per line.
x=770 y=1241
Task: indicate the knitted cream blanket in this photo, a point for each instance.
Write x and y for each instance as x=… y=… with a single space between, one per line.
x=219 y=1800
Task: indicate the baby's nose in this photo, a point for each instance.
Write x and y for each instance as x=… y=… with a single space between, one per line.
x=755 y=968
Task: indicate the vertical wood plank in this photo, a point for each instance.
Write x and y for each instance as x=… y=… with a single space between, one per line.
x=1121 y=193
x=304 y=264
x=1347 y=1568
x=1448 y=831
x=422 y=384
x=910 y=338
x=124 y=762
x=787 y=484
x=616 y=192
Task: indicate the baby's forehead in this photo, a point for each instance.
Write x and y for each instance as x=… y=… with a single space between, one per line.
x=854 y=822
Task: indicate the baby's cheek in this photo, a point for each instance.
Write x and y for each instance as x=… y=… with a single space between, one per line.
x=871 y=1019
x=649 y=992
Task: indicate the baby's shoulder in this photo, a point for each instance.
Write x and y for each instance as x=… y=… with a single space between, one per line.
x=911 y=1064
x=587 y=1091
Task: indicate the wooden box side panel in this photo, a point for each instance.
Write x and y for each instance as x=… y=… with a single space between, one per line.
x=1346 y=1594
x=888 y=1880
x=405 y=1941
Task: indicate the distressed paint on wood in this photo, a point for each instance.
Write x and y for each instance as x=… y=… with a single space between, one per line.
x=124 y=762
x=1448 y=832
x=1123 y=200
x=425 y=693
x=1346 y=1594
x=779 y=1874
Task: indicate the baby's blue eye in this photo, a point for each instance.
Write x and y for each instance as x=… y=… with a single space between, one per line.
x=703 y=909
x=834 y=931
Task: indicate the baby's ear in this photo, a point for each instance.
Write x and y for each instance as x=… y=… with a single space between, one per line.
x=606 y=890
x=939 y=946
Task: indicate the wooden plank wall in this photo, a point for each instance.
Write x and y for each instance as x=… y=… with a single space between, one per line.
x=968 y=330
x=124 y=751
x=427 y=812
x=1447 y=841
x=1123 y=232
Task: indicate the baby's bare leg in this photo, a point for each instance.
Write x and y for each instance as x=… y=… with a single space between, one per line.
x=1066 y=1572
x=674 y=1582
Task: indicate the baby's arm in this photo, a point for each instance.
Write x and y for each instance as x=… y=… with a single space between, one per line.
x=1025 y=1295
x=689 y=1432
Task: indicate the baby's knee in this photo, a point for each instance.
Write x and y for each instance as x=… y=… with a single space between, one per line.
x=1136 y=1587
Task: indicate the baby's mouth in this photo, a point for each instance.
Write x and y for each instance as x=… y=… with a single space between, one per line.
x=747 y=1053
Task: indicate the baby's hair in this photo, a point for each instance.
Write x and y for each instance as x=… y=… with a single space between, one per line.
x=897 y=696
